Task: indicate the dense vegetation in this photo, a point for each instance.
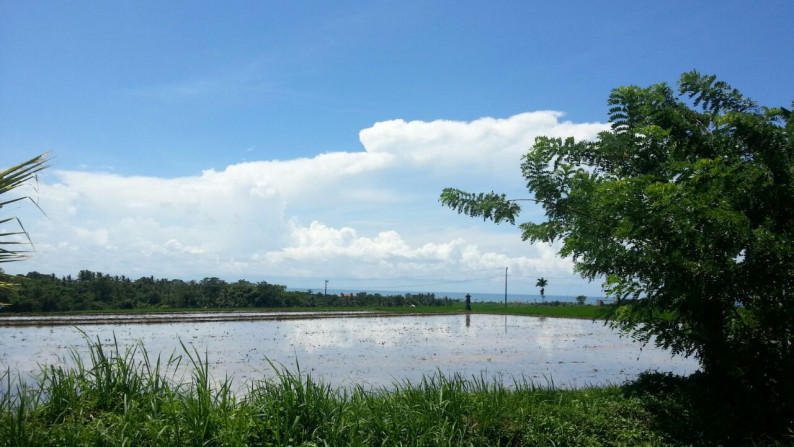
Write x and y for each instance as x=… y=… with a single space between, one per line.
x=126 y=398
x=95 y=291
x=685 y=208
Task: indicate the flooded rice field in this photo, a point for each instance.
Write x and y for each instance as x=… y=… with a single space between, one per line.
x=371 y=351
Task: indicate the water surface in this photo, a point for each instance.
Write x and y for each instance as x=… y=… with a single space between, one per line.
x=372 y=351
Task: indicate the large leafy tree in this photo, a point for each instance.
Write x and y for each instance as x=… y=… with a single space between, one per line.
x=14 y=239
x=686 y=208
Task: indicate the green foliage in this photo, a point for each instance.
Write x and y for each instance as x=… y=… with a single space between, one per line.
x=13 y=241
x=684 y=411
x=488 y=206
x=684 y=206
x=95 y=291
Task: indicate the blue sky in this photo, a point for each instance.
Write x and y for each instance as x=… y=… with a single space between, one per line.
x=301 y=141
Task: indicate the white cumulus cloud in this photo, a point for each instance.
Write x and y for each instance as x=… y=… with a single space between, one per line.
x=356 y=215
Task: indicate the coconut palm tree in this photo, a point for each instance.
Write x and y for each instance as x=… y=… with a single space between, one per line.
x=14 y=239
x=542 y=282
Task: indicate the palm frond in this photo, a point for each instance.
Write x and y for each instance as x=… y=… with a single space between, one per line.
x=15 y=243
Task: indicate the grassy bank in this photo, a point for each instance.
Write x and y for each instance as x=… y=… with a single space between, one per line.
x=126 y=398
x=566 y=310
x=539 y=310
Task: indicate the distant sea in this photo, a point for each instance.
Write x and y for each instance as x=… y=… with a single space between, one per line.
x=475 y=296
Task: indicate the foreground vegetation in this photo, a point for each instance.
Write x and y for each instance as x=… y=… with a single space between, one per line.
x=126 y=398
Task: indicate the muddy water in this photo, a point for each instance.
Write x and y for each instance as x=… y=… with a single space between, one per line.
x=371 y=351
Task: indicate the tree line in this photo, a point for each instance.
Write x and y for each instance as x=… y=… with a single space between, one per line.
x=95 y=291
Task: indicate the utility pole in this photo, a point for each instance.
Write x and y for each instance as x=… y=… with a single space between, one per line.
x=325 y=293
x=505 y=286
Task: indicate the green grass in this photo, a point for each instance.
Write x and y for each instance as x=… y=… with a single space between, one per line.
x=125 y=398
x=524 y=309
x=563 y=311
x=114 y=399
